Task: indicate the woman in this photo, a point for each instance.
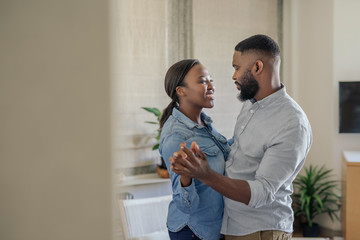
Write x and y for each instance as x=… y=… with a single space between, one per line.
x=196 y=209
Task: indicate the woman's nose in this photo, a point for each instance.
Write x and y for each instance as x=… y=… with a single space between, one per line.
x=211 y=85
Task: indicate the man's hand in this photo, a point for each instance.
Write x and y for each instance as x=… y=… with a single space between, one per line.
x=190 y=163
x=193 y=164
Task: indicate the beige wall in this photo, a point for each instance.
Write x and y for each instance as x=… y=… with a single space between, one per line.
x=218 y=27
x=55 y=163
x=321 y=48
x=346 y=64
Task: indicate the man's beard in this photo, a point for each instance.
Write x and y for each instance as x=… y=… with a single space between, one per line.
x=249 y=86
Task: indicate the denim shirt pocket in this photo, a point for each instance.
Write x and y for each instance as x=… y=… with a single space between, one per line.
x=226 y=146
x=211 y=151
x=215 y=158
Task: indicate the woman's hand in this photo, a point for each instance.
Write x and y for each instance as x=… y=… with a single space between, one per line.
x=190 y=163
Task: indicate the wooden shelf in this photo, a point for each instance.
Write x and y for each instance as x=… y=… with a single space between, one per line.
x=350 y=212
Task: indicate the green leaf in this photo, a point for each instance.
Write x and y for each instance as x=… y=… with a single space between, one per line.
x=157 y=114
x=155 y=111
x=156 y=146
x=151 y=122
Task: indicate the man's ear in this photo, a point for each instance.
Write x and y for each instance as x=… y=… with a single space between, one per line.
x=258 y=67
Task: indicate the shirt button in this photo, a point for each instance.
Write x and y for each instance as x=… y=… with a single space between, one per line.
x=252 y=111
x=242 y=127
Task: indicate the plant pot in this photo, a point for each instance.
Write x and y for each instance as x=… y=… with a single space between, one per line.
x=312 y=231
x=162 y=170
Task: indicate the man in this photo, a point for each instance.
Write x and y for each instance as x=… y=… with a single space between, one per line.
x=271 y=139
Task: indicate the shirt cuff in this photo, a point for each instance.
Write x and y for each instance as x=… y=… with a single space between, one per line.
x=255 y=189
x=186 y=193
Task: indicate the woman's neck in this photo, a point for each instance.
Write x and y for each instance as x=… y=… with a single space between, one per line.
x=193 y=113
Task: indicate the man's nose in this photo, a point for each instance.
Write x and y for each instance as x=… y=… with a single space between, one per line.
x=234 y=76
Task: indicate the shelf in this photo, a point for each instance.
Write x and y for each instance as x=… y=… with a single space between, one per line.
x=352 y=157
x=144 y=179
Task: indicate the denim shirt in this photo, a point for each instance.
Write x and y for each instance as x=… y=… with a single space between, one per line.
x=198 y=205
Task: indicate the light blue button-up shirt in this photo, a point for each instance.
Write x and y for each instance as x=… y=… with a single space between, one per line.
x=271 y=140
x=198 y=206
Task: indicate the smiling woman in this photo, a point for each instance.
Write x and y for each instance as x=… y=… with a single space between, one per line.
x=196 y=209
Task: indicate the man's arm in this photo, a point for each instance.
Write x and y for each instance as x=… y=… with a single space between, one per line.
x=185 y=163
x=280 y=164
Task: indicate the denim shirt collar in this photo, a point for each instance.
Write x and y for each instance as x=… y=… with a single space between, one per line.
x=188 y=122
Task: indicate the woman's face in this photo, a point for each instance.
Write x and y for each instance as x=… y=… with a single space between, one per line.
x=199 y=89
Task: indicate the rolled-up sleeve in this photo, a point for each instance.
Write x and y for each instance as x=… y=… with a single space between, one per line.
x=185 y=198
x=282 y=160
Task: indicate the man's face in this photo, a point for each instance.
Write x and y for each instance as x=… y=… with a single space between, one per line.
x=244 y=79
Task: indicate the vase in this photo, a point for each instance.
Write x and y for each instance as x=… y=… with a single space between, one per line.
x=312 y=231
x=162 y=170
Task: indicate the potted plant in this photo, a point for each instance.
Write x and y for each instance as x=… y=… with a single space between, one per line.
x=161 y=169
x=314 y=194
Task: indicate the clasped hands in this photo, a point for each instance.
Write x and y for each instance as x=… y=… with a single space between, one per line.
x=190 y=163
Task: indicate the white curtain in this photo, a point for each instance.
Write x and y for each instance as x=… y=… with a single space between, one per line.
x=179 y=30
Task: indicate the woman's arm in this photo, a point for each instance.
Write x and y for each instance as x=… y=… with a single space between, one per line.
x=185 y=194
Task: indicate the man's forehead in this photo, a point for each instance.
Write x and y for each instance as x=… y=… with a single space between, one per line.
x=239 y=56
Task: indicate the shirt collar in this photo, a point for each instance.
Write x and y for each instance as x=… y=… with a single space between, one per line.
x=188 y=122
x=272 y=97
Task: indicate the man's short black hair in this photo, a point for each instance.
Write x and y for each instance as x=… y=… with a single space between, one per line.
x=260 y=43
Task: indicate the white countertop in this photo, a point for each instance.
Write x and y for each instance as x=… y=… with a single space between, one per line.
x=352 y=156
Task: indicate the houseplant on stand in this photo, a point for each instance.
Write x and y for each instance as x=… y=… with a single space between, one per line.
x=161 y=169
x=314 y=193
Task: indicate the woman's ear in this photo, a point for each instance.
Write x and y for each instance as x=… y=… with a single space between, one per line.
x=258 y=67
x=179 y=91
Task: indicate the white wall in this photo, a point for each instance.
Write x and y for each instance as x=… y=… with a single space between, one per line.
x=55 y=163
x=346 y=63
x=218 y=27
x=321 y=45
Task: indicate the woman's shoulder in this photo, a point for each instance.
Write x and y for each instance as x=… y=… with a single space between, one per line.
x=175 y=127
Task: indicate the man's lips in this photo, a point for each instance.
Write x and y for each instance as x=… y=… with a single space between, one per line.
x=238 y=86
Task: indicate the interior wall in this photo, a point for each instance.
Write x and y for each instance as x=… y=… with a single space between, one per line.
x=218 y=27
x=55 y=153
x=138 y=69
x=321 y=48
x=346 y=64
